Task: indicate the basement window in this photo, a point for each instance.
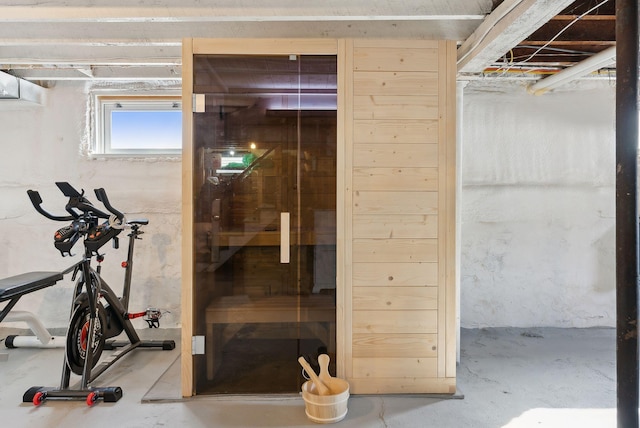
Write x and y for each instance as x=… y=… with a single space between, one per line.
x=138 y=125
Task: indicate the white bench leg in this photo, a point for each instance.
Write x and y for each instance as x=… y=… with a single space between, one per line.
x=43 y=338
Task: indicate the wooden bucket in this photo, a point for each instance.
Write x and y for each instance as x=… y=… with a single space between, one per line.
x=326 y=409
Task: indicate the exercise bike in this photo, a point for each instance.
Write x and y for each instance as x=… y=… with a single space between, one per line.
x=97 y=313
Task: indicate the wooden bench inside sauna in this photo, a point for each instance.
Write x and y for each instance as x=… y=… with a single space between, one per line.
x=226 y=315
x=308 y=312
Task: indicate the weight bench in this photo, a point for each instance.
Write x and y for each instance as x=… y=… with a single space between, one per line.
x=11 y=290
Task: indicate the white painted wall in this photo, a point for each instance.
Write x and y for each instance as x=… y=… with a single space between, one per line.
x=538 y=207
x=43 y=144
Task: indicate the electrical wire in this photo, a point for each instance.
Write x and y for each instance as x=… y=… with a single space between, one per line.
x=566 y=55
x=565 y=29
x=578 y=18
x=569 y=51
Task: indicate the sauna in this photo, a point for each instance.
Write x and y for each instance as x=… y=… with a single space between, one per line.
x=318 y=214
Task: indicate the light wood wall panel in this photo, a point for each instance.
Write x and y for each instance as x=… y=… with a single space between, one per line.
x=395 y=250
x=395 y=345
x=394 y=322
x=395 y=83
x=406 y=385
x=401 y=274
x=398 y=178
x=381 y=367
x=398 y=132
x=389 y=155
x=395 y=298
x=394 y=58
x=400 y=248
x=395 y=226
x=394 y=107
x=368 y=202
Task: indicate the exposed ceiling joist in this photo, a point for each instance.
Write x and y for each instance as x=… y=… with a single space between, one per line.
x=240 y=11
x=109 y=15
x=67 y=53
x=510 y=23
x=176 y=31
x=99 y=73
x=86 y=42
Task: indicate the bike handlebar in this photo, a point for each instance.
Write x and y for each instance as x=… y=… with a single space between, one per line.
x=36 y=200
x=102 y=197
x=85 y=220
x=77 y=206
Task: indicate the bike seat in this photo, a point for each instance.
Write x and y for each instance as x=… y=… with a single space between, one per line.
x=142 y=221
x=26 y=283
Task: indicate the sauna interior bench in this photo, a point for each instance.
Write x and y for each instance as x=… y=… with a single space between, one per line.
x=317 y=312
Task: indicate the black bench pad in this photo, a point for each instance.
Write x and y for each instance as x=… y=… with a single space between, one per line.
x=26 y=283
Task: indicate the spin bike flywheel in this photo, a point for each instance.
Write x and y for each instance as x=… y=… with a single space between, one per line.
x=78 y=335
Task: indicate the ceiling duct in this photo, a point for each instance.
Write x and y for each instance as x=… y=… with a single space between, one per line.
x=16 y=89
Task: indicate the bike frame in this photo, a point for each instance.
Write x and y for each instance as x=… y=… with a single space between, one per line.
x=97 y=288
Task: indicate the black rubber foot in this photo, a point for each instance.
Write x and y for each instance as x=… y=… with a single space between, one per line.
x=27 y=397
x=8 y=342
x=111 y=394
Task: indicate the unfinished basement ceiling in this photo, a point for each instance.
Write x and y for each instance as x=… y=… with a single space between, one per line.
x=123 y=40
x=577 y=33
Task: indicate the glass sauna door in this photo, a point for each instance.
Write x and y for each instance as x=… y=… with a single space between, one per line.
x=265 y=219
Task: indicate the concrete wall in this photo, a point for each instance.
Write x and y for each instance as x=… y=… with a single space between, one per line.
x=537 y=206
x=44 y=144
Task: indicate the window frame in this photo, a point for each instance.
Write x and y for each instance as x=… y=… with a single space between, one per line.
x=104 y=104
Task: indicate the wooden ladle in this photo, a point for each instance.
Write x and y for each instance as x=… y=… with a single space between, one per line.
x=320 y=385
x=325 y=376
x=335 y=385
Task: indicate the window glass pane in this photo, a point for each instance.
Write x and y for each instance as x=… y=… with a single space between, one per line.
x=146 y=130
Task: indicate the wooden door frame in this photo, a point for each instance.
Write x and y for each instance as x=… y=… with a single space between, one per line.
x=191 y=47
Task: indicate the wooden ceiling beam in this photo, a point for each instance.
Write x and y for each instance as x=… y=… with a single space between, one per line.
x=586 y=18
x=171 y=11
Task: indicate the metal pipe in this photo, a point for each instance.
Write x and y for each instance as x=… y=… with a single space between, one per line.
x=627 y=45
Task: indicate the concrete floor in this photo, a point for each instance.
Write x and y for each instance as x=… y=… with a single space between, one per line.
x=507 y=377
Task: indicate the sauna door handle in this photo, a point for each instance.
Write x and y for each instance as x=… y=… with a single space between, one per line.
x=284 y=238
